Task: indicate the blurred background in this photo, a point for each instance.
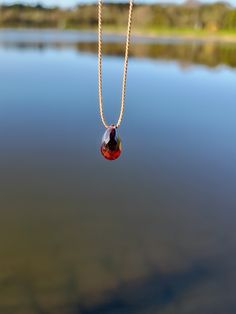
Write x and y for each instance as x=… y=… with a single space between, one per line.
x=153 y=232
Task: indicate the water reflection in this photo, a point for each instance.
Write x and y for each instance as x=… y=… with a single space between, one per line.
x=153 y=232
x=208 y=54
x=185 y=53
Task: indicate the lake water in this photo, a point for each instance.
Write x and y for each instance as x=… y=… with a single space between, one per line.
x=153 y=232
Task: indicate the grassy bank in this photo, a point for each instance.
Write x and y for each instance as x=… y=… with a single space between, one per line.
x=215 y=21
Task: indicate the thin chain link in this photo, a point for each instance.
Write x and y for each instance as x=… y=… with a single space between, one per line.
x=100 y=3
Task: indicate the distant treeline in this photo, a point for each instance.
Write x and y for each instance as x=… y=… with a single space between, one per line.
x=190 y=15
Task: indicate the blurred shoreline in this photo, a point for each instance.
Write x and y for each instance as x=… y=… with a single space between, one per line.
x=191 y=20
x=119 y=36
x=186 y=51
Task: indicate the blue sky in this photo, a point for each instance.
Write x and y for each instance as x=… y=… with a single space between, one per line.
x=68 y=3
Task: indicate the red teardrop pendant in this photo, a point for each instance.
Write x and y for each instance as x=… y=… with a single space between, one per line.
x=111 y=144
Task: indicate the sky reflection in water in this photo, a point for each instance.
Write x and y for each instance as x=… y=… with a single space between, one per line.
x=153 y=232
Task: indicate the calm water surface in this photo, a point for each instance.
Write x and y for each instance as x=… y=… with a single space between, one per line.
x=153 y=232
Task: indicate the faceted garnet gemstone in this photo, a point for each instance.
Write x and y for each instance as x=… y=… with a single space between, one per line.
x=111 y=144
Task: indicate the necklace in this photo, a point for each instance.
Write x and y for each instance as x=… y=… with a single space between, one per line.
x=111 y=143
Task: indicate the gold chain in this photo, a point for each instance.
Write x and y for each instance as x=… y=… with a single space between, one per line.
x=100 y=3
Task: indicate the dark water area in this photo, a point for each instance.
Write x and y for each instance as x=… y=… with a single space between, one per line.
x=154 y=231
